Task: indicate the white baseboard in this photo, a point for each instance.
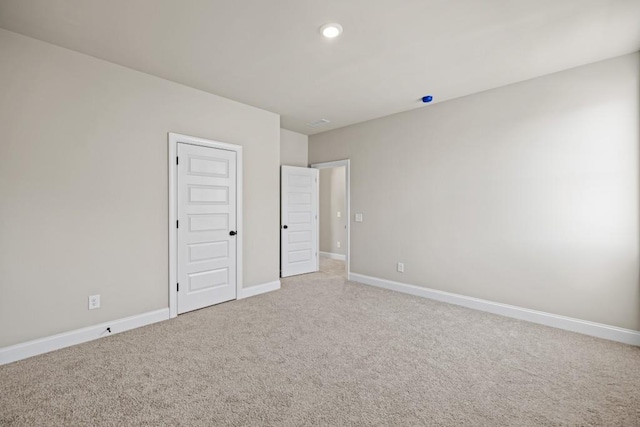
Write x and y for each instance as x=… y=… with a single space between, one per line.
x=90 y=333
x=66 y=339
x=259 y=289
x=333 y=255
x=599 y=330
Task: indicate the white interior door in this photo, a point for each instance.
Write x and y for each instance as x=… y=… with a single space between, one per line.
x=207 y=191
x=299 y=220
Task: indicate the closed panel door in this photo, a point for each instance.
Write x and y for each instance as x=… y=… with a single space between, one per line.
x=299 y=227
x=206 y=226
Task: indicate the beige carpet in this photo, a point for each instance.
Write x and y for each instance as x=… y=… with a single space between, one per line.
x=323 y=351
x=333 y=267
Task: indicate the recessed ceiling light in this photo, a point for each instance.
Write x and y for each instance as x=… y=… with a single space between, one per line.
x=331 y=31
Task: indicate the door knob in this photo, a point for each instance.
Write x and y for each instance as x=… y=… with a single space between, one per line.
x=285 y=226
x=232 y=233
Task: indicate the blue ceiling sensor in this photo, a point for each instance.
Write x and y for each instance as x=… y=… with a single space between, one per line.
x=427 y=98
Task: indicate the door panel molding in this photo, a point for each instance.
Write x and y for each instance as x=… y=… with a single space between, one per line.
x=299 y=240
x=205 y=170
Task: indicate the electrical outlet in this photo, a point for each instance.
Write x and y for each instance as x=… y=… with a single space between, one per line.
x=338 y=244
x=94 y=301
x=358 y=217
x=400 y=267
x=338 y=214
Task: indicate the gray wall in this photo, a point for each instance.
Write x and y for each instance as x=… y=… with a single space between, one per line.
x=83 y=186
x=332 y=201
x=293 y=148
x=525 y=195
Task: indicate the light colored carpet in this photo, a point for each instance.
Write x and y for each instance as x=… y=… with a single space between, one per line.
x=333 y=267
x=323 y=351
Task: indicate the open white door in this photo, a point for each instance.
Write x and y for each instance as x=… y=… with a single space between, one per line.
x=299 y=220
x=207 y=220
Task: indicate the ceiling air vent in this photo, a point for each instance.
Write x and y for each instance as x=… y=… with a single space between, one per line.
x=318 y=123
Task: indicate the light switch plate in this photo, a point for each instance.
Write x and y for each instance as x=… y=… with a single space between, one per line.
x=358 y=217
x=338 y=214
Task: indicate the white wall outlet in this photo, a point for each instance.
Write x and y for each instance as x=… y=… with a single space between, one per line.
x=400 y=267
x=358 y=217
x=338 y=214
x=94 y=301
x=338 y=244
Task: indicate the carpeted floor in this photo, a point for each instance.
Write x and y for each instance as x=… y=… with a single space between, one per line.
x=333 y=267
x=323 y=351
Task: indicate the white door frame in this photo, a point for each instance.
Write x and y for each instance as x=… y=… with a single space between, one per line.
x=347 y=164
x=174 y=139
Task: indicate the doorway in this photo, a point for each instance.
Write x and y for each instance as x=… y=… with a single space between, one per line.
x=334 y=217
x=205 y=213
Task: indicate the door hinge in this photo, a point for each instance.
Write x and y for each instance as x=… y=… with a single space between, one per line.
x=177 y=160
x=178 y=287
x=177 y=224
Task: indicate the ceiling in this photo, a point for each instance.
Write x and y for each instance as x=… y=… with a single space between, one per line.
x=269 y=53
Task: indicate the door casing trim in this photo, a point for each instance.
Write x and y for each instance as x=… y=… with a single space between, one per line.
x=173 y=140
